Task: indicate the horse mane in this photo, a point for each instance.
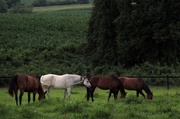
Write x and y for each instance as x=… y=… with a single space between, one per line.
x=145 y=87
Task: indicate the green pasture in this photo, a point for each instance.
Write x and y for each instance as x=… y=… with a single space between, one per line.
x=163 y=106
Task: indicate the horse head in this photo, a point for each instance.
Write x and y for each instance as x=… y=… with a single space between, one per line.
x=123 y=95
x=41 y=92
x=150 y=96
x=42 y=95
x=86 y=81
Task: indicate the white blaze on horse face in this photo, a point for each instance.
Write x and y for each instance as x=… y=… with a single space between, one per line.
x=87 y=83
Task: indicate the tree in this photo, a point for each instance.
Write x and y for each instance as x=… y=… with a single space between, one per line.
x=82 y=1
x=102 y=46
x=3 y=6
x=12 y=3
x=40 y=3
x=148 y=31
x=129 y=33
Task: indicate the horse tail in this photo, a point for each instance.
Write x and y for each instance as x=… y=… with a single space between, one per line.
x=11 y=86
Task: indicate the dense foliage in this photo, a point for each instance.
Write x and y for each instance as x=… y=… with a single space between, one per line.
x=3 y=6
x=14 y=6
x=134 y=32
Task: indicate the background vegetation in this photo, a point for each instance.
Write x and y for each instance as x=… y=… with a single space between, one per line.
x=69 y=41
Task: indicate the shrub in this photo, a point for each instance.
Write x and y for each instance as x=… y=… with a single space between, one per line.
x=40 y=3
x=82 y=1
x=3 y=6
x=21 y=9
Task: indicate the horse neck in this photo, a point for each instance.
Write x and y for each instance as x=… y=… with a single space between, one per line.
x=78 y=79
x=40 y=89
x=146 y=88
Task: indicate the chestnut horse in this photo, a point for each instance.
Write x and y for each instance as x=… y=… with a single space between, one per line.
x=25 y=83
x=136 y=84
x=106 y=83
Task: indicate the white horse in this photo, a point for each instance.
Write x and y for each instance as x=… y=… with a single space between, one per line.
x=65 y=81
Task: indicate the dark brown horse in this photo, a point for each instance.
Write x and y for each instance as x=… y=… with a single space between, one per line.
x=106 y=83
x=138 y=85
x=25 y=83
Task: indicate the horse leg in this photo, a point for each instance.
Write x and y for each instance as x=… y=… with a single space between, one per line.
x=69 y=93
x=92 y=94
x=65 y=91
x=109 y=94
x=142 y=94
x=20 y=96
x=115 y=94
x=29 y=97
x=34 y=96
x=48 y=92
x=88 y=93
x=137 y=93
x=16 y=96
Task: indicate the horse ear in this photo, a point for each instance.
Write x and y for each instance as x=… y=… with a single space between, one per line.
x=88 y=76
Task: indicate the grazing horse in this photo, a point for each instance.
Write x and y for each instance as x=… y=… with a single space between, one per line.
x=136 y=84
x=106 y=83
x=65 y=81
x=25 y=83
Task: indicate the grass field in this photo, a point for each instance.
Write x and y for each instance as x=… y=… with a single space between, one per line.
x=61 y=7
x=50 y=35
x=163 y=106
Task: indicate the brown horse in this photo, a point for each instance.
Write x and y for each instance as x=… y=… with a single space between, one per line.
x=106 y=83
x=136 y=84
x=25 y=83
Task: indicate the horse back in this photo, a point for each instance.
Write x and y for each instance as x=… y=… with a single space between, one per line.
x=132 y=83
x=47 y=79
x=103 y=82
x=32 y=83
x=21 y=81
